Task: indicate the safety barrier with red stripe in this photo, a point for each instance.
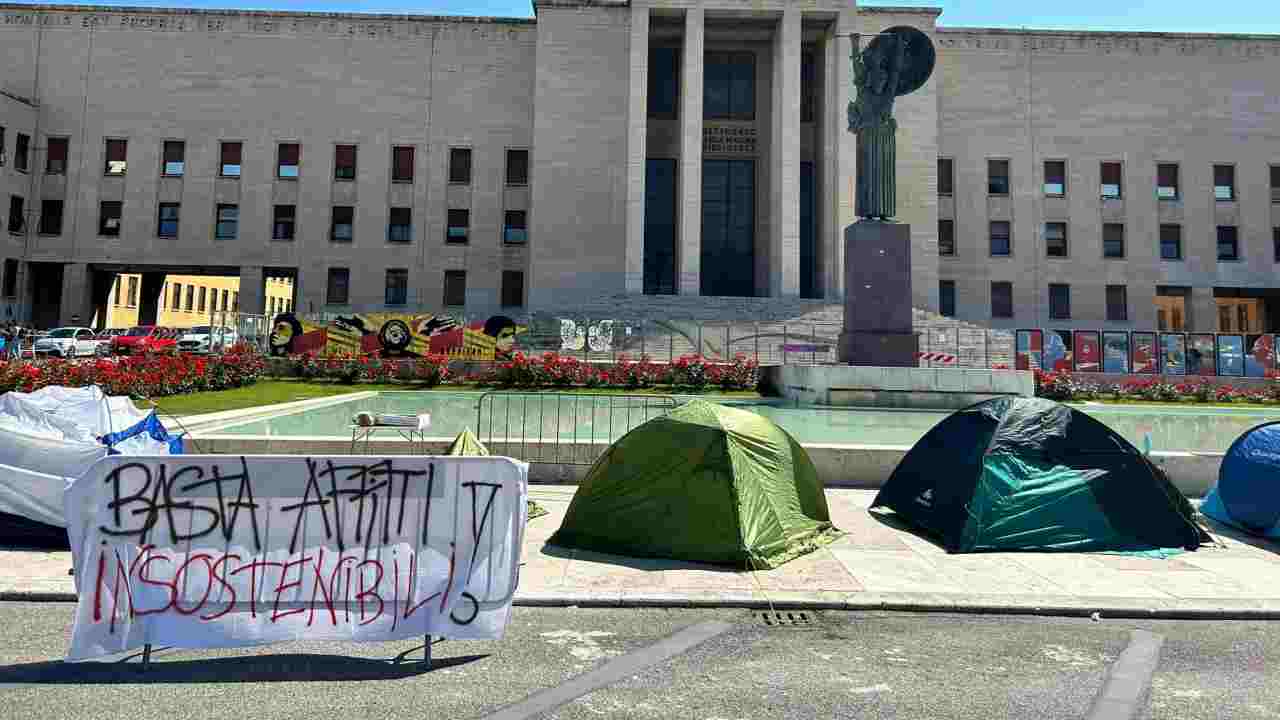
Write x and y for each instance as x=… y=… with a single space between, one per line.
x=936 y=357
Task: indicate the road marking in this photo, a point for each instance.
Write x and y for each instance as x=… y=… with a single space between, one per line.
x=1129 y=680
x=611 y=672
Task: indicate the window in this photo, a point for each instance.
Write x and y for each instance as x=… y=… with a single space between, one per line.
x=1167 y=181
x=1112 y=180
x=1275 y=243
x=119 y=283
x=515 y=230
x=213 y=299
x=1001 y=299
x=947 y=298
x=229 y=163
x=1059 y=302
x=1055 y=178
x=133 y=292
x=342 y=230
x=339 y=281
x=664 y=82
x=997 y=177
x=228 y=226
x=191 y=296
x=1224 y=182
x=17 y=220
x=117 y=152
x=1228 y=243
x=1055 y=239
x=225 y=307
x=460 y=166
x=10 y=277
x=177 y=296
x=175 y=153
x=808 y=78
x=51 y=217
x=1117 y=303
x=1170 y=242
x=397 y=292
x=109 y=218
x=21 y=147
x=55 y=161
x=2 y=149
x=200 y=303
x=1112 y=240
x=455 y=288
x=946 y=176
x=512 y=288
x=400 y=228
x=283 y=222
x=168 y=223
x=458 y=227
x=1000 y=243
x=729 y=86
x=517 y=167
x=1275 y=173
x=344 y=162
x=235 y=302
x=402 y=164
x=288 y=160
x=946 y=238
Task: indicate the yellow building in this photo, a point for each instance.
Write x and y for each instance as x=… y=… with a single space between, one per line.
x=189 y=300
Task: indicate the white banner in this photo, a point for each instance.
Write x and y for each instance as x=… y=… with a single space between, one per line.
x=201 y=551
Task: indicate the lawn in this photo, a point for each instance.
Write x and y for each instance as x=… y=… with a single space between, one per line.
x=273 y=392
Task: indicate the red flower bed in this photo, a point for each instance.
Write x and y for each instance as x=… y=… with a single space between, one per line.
x=689 y=371
x=139 y=376
x=1065 y=386
x=350 y=367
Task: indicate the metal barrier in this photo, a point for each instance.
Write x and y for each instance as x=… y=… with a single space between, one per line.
x=562 y=428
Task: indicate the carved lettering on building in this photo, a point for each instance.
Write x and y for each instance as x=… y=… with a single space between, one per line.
x=728 y=140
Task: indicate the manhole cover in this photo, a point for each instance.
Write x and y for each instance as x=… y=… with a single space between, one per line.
x=787 y=619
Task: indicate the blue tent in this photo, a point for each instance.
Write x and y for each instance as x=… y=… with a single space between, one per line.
x=1247 y=495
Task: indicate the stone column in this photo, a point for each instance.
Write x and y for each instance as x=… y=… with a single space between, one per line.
x=252 y=290
x=690 y=185
x=784 y=165
x=77 y=297
x=838 y=154
x=1202 y=310
x=637 y=129
x=149 y=309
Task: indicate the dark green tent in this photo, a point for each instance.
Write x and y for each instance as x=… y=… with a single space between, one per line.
x=705 y=483
x=1031 y=474
x=466 y=443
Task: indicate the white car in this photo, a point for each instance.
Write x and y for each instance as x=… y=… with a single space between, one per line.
x=204 y=338
x=69 y=342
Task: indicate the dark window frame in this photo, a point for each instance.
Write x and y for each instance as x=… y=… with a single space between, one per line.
x=1232 y=236
x=49 y=167
x=453 y=280
x=103 y=217
x=225 y=148
x=280 y=160
x=1103 y=184
x=508 y=226
x=996 y=309
x=458 y=168
x=1176 y=229
x=1049 y=187
x=180 y=165
x=17 y=222
x=335 y=223
x=1122 y=305
x=339 y=278
x=400 y=288
x=993 y=189
x=732 y=59
x=218 y=222
x=1060 y=307
x=45 y=228
x=508 y=291
x=345 y=172
x=507 y=170
x=394 y=235
x=1008 y=238
x=1177 y=182
x=1106 y=253
x=1066 y=241
x=161 y=220
x=451 y=216
x=1224 y=191
x=108 y=145
x=396 y=176
x=945 y=288
x=947 y=239
x=22 y=153
x=1275 y=243
x=947 y=179
x=280 y=221
x=11 y=267
x=663 y=87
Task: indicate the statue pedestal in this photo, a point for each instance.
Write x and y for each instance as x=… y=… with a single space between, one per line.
x=877 y=306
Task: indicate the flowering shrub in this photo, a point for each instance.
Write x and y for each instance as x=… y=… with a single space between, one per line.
x=690 y=371
x=1064 y=386
x=139 y=376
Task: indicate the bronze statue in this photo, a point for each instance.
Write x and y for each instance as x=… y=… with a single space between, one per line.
x=899 y=61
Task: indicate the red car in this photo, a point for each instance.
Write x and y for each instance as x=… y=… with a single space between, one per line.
x=144 y=339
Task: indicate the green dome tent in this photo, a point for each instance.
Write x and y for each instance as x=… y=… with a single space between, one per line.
x=466 y=443
x=1031 y=474
x=704 y=483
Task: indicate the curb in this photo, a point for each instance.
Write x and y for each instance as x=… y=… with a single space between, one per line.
x=748 y=602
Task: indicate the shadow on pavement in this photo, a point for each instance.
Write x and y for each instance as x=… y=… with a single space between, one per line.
x=1237 y=534
x=651 y=564
x=891 y=520
x=252 y=668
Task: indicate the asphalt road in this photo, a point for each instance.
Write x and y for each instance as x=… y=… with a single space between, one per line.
x=922 y=667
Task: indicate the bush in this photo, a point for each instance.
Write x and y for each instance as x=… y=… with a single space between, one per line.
x=692 y=372
x=1064 y=387
x=139 y=376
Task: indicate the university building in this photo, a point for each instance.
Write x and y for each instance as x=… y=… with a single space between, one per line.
x=688 y=157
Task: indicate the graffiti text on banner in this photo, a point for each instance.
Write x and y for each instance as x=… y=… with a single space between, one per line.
x=204 y=551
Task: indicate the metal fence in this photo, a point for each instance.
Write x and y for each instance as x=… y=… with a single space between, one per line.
x=564 y=428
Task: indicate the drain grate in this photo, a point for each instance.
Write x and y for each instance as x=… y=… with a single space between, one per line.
x=794 y=619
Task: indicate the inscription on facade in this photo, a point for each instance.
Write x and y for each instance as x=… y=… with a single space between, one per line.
x=729 y=140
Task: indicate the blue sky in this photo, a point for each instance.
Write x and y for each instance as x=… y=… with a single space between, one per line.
x=1233 y=16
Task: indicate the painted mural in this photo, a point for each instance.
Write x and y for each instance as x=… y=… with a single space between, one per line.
x=391 y=335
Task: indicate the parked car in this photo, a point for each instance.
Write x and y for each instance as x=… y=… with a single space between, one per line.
x=205 y=338
x=144 y=338
x=68 y=342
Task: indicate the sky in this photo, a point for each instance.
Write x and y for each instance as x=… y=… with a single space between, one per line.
x=1224 y=16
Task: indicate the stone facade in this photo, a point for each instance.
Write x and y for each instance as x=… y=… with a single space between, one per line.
x=571 y=87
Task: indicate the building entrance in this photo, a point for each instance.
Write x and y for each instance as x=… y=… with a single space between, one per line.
x=728 y=228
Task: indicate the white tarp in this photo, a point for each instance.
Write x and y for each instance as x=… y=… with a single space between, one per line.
x=204 y=551
x=51 y=436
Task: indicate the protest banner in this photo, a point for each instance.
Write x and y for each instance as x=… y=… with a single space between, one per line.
x=203 y=551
